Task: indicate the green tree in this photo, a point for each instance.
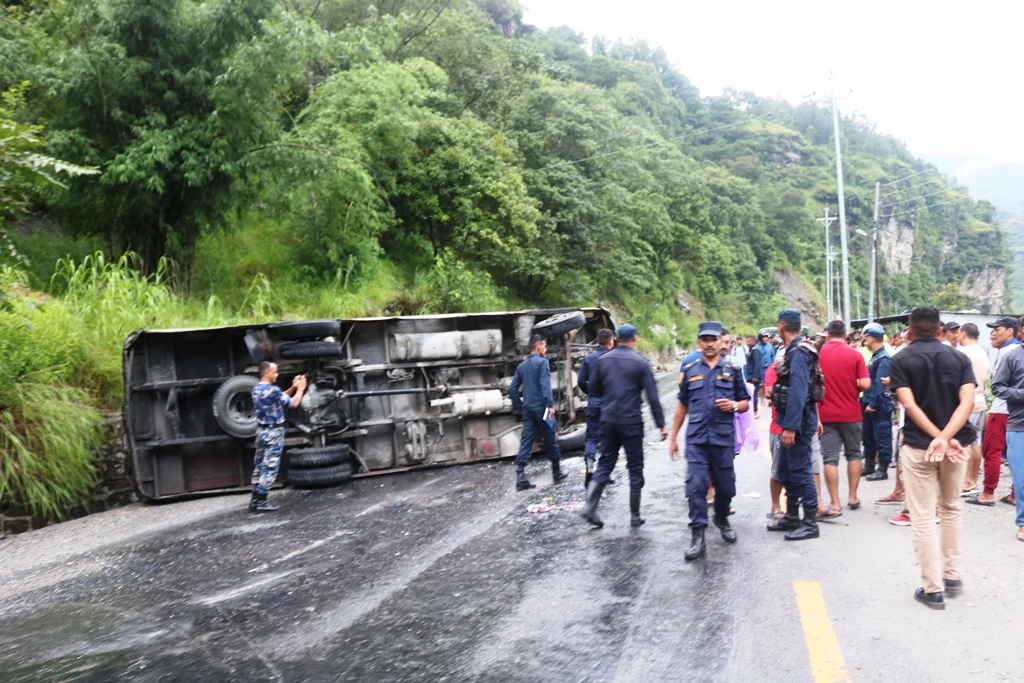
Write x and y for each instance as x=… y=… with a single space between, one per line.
x=140 y=89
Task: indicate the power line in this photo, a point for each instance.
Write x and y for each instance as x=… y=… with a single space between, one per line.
x=912 y=187
x=927 y=170
x=926 y=206
x=914 y=199
x=650 y=144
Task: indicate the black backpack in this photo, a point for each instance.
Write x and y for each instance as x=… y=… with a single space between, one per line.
x=815 y=392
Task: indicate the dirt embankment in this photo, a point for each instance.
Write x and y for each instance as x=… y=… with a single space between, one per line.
x=800 y=295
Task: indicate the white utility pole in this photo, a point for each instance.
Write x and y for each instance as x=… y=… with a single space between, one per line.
x=873 y=290
x=829 y=257
x=842 y=209
x=858 y=304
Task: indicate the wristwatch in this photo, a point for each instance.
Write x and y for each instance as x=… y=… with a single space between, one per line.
x=735 y=405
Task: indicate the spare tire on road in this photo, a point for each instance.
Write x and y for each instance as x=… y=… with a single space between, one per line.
x=320 y=477
x=306 y=329
x=232 y=406
x=573 y=438
x=317 y=457
x=560 y=324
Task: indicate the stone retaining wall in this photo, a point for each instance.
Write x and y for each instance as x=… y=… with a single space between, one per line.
x=113 y=486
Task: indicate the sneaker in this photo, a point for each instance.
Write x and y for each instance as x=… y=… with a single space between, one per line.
x=903 y=520
x=967 y=493
x=933 y=600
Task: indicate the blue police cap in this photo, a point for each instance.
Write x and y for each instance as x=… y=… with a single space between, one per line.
x=626 y=332
x=874 y=330
x=789 y=315
x=710 y=328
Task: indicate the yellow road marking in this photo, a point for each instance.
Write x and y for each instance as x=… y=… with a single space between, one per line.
x=827 y=663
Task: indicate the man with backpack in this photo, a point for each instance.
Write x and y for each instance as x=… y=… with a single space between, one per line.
x=877 y=407
x=796 y=389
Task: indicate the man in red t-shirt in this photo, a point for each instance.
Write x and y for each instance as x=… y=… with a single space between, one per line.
x=846 y=375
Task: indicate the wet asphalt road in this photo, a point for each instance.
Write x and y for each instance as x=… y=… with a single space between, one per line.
x=444 y=576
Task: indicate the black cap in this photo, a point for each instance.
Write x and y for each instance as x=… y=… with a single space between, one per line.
x=952 y=325
x=1005 y=321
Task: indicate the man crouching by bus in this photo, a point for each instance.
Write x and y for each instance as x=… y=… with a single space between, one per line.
x=269 y=402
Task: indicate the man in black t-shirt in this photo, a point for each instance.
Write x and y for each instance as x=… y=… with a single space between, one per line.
x=935 y=384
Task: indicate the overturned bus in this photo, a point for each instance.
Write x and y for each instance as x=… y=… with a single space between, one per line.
x=384 y=395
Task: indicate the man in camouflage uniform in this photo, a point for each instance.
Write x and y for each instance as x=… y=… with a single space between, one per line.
x=269 y=402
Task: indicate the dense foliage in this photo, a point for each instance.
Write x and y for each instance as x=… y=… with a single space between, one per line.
x=443 y=138
x=336 y=157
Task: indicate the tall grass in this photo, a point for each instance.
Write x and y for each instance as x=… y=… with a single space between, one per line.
x=48 y=437
x=49 y=428
x=60 y=368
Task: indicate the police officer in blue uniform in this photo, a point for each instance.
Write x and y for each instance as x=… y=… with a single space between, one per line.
x=605 y=339
x=877 y=406
x=799 y=420
x=711 y=391
x=619 y=378
x=533 y=376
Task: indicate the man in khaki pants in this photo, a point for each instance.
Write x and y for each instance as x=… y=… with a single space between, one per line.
x=935 y=383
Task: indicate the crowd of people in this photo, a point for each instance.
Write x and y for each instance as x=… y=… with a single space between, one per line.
x=832 y=395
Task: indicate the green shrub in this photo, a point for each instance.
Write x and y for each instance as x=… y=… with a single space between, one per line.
x=49 y=434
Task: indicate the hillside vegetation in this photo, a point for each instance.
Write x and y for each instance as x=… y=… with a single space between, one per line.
x=338 y=158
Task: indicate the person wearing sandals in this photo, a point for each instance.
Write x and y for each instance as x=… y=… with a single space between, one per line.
x=846 y=375
x=936 y=384
x=970 y=347
x=1008 y=384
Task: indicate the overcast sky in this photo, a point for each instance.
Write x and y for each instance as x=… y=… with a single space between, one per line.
x=945 y=78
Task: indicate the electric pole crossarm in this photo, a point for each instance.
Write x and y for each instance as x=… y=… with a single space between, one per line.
x=829 y=258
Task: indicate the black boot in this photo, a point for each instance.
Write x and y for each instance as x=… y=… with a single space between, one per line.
x=522 y=483
x=557 y=474
x=697 y=547
x=589 y=513
x=260 y=503
x=790 y=521
x=808 y=527
x=728 y=533
x=634 y=508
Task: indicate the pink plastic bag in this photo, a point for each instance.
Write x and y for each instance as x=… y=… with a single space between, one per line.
x=746 y=428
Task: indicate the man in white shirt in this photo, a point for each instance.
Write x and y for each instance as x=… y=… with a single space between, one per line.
x=739 y=352
x=970 y=347
x=953 y=333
